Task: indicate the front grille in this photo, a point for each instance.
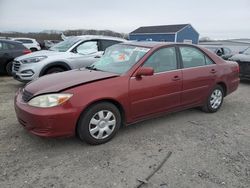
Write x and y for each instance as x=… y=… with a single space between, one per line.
x=26 y=96
x=16 y=65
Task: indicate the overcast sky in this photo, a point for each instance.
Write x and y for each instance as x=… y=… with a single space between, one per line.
x=217 y=19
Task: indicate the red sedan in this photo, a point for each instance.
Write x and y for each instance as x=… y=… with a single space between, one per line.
x=131 y=82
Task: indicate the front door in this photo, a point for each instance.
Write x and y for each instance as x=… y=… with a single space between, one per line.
x=159 y=92
x=85 y=54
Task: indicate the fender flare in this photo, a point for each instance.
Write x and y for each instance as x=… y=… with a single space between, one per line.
x=54 y=64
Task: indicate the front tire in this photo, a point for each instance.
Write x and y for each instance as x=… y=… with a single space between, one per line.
x=54 y=70
x=9 y=68
x=99 y=123
x=214 y=100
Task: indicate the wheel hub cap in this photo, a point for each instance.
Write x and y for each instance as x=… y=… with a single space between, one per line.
x=102 y=124
x=216 y=99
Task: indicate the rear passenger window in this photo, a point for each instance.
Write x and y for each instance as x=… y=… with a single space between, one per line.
x=3 y=46
x=192 y=57
x=107 y=43
x=162 y=60
x=11 y=46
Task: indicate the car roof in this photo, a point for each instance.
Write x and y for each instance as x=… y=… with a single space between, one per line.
x=10 y=41
x=23 y=38
x=89 y=37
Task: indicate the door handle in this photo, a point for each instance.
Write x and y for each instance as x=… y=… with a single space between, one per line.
x=98 y=56
x=176 y=78
x=213 y=71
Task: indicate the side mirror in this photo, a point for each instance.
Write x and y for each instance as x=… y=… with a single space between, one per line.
x=219 y=52
x=144 y=71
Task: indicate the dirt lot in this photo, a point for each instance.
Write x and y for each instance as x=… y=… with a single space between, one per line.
x=209 y=150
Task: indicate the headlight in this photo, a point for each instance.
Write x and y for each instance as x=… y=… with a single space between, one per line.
x=34 y=59
x=49 y=100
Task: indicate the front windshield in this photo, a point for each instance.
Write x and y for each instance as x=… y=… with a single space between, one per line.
x=64 y=45
x=247 y=51
x=120 y=58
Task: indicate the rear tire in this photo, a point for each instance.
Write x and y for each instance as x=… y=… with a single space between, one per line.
x=214 y=100
x=9 y=68
x=99 y=123
x=54 y=70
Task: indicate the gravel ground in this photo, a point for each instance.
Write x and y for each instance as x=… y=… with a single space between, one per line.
x=208 y=150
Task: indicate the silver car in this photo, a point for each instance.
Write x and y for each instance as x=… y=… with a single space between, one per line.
x=72 y=53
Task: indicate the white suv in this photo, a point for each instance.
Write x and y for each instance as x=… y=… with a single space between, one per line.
x=72 y=53
x=29 y=43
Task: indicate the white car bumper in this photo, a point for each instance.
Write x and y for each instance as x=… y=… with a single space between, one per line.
x=25 y=73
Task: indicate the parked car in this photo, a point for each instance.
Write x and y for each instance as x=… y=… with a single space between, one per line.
x=74 y=52
x=243 y=59
x=223 y=52
x=131 y=82
x=29 y=43
x=8 y=51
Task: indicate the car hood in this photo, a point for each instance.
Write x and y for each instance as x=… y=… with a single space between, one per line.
x=240 y=57
x=61 y=81
x=47 y=53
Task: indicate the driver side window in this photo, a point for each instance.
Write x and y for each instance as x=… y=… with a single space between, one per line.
x=87 y=48
x=162 y=60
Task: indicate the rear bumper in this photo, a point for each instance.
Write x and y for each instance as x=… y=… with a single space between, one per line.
x=50 y=122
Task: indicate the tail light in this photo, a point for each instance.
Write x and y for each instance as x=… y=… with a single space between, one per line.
x=238 y=68
x=26 y=51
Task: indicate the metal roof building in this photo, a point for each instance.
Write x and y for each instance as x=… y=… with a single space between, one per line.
x=169 y=33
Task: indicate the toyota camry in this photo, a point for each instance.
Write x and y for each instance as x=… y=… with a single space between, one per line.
x=131 y=82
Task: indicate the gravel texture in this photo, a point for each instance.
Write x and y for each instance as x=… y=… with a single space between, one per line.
x=208 y=150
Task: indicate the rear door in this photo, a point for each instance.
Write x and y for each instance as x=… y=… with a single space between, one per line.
x=159 y=92
x=199 y=75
